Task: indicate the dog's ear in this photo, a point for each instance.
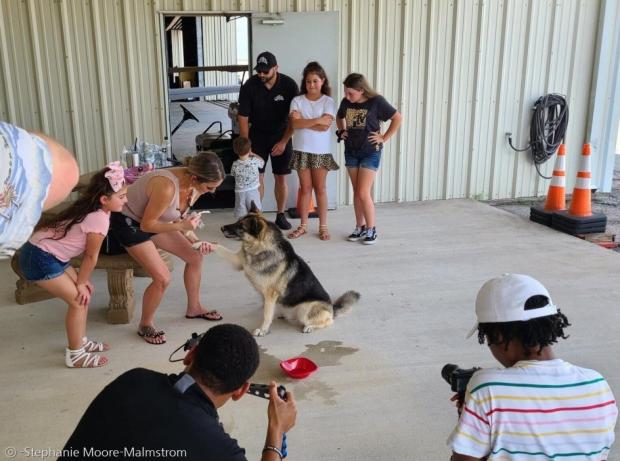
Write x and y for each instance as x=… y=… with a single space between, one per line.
x=254 y=226
x=254 y=208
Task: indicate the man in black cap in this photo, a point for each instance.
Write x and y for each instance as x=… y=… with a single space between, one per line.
x=264 y=102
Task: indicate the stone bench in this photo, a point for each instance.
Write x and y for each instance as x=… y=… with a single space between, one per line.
x=121 y=270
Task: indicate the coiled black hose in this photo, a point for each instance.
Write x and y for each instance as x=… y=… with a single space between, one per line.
x=547 y=129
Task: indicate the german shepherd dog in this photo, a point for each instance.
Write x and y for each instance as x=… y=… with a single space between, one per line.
x=281 y=276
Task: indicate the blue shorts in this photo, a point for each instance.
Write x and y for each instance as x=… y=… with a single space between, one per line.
x=357 y=159
x=37 y=264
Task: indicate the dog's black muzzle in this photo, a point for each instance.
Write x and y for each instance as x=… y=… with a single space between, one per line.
x=232 y=231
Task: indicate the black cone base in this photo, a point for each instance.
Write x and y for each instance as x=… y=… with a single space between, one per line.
x=539 y=215
x=562 y=221
x=294 y=214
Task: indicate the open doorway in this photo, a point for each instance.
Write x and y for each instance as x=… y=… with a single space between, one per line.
x=207 y=61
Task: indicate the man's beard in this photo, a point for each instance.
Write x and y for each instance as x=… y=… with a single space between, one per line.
x=267 y=79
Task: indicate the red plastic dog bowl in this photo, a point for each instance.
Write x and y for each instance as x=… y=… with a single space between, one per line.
x=298 y=367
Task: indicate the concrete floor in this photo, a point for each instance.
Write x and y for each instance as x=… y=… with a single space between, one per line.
x=378 y=393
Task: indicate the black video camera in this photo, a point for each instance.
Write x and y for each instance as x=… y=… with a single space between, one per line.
x=262 y=390
x=458 y=378
x=186 y=346
x=193 y=341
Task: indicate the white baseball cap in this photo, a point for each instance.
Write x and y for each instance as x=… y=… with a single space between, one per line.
x=504 y=298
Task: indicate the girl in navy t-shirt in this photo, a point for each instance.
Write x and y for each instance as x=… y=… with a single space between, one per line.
x=359 y=124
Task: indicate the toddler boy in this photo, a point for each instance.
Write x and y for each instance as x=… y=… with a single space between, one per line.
x=245 y=172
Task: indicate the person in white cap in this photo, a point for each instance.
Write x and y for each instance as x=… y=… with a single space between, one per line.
x=539 y=407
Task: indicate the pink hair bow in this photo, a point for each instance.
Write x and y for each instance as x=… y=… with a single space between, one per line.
x=115 y=175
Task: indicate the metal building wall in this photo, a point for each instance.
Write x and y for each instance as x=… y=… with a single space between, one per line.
x=462 y=72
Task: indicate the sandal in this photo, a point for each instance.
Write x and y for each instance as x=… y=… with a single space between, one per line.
x=212 y=316
x=94 y=346
x=79 y=358
x=151 y=335
x=301 y=230
x=323 y=232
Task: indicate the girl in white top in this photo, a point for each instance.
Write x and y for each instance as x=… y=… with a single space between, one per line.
x=312 y=113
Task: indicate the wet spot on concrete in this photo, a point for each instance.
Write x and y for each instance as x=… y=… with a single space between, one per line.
x=324 y=354
x=328 y=353
x=269 y=368
x=312 y=389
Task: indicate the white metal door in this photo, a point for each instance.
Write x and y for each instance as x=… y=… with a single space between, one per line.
x=296 y=39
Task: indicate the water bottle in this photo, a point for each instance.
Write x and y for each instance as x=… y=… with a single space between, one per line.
x=126 y=157
x=135 y=159
x=166 y=152
x=149 y=154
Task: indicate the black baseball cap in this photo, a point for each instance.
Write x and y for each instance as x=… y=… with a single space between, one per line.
x=265 y=61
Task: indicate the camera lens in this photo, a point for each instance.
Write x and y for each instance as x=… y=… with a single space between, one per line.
x=447 y=370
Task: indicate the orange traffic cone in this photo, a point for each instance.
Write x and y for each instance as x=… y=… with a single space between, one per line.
x=311 y=209
x=556 y=196
x=579 y=218
x=580 y=204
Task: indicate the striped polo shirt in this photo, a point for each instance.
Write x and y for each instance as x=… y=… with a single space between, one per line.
x=536 y=410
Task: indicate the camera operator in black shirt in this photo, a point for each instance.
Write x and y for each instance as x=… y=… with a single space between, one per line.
x=146 y=414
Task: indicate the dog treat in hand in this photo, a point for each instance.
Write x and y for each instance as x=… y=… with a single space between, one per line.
x=199 y=214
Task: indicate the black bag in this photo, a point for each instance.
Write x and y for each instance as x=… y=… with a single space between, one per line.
x=111 y=246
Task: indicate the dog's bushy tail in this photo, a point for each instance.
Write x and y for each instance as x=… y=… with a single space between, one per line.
x=343 y=304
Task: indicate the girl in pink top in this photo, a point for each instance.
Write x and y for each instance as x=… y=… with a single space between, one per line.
x=81 y=228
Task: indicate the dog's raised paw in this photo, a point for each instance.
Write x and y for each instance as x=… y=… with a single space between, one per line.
x=260 y=332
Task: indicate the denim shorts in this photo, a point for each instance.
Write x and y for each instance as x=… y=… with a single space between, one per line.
x=37 y=264
x=357 y=159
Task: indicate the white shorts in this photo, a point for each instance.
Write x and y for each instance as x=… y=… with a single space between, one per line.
x=243 y=202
